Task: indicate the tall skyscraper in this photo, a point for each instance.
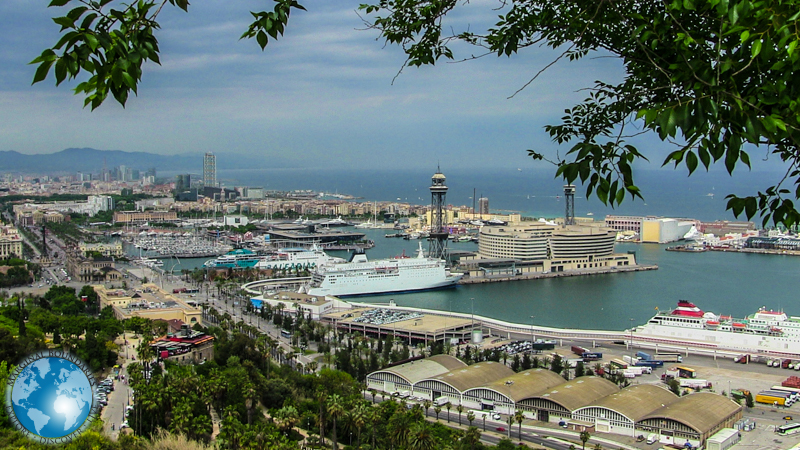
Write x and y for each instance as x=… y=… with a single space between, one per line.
x=209 y=170
x=483 y=205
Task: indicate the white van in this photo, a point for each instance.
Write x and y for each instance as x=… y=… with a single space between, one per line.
x=440 y=401
x=652 y=438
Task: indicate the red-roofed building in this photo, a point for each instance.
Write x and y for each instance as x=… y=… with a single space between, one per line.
x=185 y=346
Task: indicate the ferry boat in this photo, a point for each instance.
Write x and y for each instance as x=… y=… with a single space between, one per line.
x=240 y=258
x=764 y=332
x=298 y=258
x=360 y=276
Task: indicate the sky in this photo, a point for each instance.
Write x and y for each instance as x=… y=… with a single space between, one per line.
x=324 y=95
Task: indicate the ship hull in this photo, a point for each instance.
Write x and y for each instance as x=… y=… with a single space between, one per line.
x=366 y=287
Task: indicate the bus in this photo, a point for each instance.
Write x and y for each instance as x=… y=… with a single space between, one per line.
x=618 y=364
x=286 y=333
x=686 y=372
x=789 y=428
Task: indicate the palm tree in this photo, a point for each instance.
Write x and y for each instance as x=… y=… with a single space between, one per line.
x=470 y=417
x=321 y=396
x=448 y=405
x=519 y=417
x=373 y=392
x=427 y=405
x=584 y=438
x=358 y=415
x=437 y=409
x=335 y=410
x=421 y=437
x=460 y=410
x=471 y=437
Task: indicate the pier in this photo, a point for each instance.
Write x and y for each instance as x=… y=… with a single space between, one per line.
x=571 y=273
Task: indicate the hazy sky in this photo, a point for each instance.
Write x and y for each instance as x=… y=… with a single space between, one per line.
x=323 y=94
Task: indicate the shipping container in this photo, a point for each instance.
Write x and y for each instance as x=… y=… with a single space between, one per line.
x=643 y=356
x=578 y=350
x=616 y=363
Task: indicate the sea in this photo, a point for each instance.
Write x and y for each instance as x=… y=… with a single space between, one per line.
x=724 y=283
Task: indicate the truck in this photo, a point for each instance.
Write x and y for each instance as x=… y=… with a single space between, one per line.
x=643 y=356
x=694 y=383
x=742 y=359
x=179 y=290
x=629 y=360
x=650 y=363
x=592 y=356
x=578 y=350
x=668 y=357
x=774 y=397
x=740 y=393
x=618 y=364
x=795 y=392
x=770 y=400
x=440 y=401
x=785 y=363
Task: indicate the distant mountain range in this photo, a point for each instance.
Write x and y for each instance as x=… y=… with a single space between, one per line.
x=89 y=160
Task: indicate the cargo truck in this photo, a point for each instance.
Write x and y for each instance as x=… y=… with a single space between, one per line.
x=668 y=357
x=629 y=360
x=795 y=392
x=650 y=363
x=790 y=398
x=592 y=356
x=694 y=383
x=643 y=356
x=785 y=363
x=773 y=397
x=578 y=350
x=770 y=400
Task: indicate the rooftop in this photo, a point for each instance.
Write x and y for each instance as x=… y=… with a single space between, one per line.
x=635 y=402
x=700 y=411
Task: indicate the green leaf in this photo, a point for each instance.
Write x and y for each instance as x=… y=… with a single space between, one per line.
x=58 y=2
x=261 y=37
x=42 y=71
x=792 y=46
x=691 y=161
x=756 y=48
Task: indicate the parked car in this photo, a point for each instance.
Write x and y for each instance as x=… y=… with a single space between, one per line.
x=501 y=429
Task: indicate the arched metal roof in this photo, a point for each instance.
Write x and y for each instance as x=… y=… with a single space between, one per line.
x=415 y=371
x=579 y=392
x=635 y=402
x=700 y=411
x=524 y=384
x=474 y=376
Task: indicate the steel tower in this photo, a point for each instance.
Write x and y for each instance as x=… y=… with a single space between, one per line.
x=438 y=239
x=569 y=197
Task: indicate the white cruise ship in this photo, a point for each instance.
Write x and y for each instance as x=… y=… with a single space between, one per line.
x=769 y=333
x=362 y=277
x=297 y=258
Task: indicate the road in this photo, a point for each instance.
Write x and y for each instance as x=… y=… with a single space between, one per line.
x=114 y=413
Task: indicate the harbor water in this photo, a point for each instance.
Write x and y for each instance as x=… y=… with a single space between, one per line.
x=724 y=283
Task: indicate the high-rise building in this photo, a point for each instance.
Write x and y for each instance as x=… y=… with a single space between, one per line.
x=209 y=170
x=183 y=183
x=483 y=206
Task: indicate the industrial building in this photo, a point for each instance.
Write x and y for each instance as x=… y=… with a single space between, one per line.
x=184 y=346
x=140 y=217
x=662 y=230
x=584 y=403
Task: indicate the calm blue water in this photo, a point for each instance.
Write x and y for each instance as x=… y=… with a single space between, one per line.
x=729 y=283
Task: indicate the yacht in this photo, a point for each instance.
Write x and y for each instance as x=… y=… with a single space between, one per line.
x=298 y=258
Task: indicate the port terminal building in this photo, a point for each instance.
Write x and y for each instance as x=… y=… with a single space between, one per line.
x=586 y=403
x=544 y=247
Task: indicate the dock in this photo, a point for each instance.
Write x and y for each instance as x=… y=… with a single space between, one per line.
x=571 y=273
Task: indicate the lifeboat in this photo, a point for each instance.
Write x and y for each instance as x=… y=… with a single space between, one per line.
x=737 y=326
x=712 y=323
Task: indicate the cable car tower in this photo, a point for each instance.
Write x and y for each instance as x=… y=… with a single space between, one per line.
x=438 y=238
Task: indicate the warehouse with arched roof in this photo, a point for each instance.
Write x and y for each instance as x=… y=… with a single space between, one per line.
x=502 y=395
x=454 y=383
x=404 y=376
x=693 y=418
x=619 y=412
x=557 y=403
